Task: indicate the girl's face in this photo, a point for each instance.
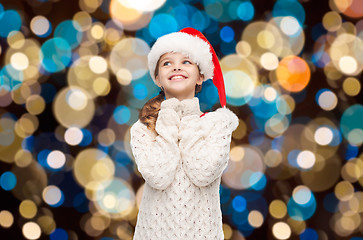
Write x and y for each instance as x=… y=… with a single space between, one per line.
x=178 y=75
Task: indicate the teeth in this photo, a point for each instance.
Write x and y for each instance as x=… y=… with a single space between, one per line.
x=177 y=77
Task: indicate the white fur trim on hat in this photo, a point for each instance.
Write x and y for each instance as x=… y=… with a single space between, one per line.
x=193 y=47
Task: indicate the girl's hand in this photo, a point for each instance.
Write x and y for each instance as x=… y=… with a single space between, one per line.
x=190 y=106
x=172 y=103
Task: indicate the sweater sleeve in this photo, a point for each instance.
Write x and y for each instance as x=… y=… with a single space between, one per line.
x=205 y=144
x=157 y=156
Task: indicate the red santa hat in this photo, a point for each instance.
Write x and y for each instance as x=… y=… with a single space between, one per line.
x=194 y=45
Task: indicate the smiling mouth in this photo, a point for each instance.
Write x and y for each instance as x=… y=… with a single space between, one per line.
x=177 y=78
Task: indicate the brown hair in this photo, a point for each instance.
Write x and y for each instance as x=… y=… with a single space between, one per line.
x=149 y=112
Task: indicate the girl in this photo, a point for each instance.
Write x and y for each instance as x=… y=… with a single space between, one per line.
x=179 y=151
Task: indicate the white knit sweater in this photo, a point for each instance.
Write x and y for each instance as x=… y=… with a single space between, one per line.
x=182 y=168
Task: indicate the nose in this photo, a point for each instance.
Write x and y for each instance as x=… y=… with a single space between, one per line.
x=176 y=69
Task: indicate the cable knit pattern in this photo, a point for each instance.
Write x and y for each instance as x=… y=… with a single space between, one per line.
x=182 y=168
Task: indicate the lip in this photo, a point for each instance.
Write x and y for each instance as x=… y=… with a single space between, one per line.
x=178 y=79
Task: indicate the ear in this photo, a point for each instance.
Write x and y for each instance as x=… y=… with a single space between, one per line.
x=200 y=79
x=157 y=80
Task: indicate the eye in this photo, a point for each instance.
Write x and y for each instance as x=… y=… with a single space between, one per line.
x=187 y=62
x=166 y=63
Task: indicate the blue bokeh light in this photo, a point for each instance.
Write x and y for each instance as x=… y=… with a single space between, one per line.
x=55 y=54
x=246 y=11
x=140 y=91
x=122 y=114
x=309 y=234
x=293 y=8
x=9 y=21
x=351 y=152
x=68 y=30
x=227 y=34
x=8 y=181
x=239 y=203
x=59 y=234
x=258 y=181
x=301 y=212
x=351 y=124
x=157 y=26
x=87 y=138
x=10 y=78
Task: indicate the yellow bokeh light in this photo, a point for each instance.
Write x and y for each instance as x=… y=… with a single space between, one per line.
x=255 y=219
x=227 y=231
x=109 y=201
x=352 y=170
x=6 y=219
x=31 y=230
x=97 y=31
x=113 y=36
x=73 y=136
x=73 y=106
x=241 y=130
x=52 y=195
x=243 y=48
x=130 y=52
x=124 y=76
x=27 y=125
x=265 y=39
x=106 y=137
x=332 y=21
x=269 y=61
x=143 y=5
x=16 y=39
x=323 y=136
x=344 y=190
x=289 y=25
x=56 y=159
x=273 y=158
x=19 y=61
x=306 y=159
x=301 y=194
x=281 y=230
x=278 y=209
x=129 y=17
x=351 y=86
x=99 y=222
x=28 y=209
x=47 y=224
x=327 y=100
x=39 y=25
x=101 y=86
x=270 y=94
x=98 y=64
x=237 y=153
x=90 y=5
x=35 y=104
x=93 y=165
x=348 y=65
x=285 y=104
x=23 y=158
x=84 y=21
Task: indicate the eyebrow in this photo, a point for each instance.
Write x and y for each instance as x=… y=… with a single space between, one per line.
x=168 y=58
x=165 y=58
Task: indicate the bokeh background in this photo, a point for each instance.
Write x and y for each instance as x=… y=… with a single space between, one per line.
x=73 y=77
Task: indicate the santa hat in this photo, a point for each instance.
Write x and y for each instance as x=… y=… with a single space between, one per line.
x=193 y=44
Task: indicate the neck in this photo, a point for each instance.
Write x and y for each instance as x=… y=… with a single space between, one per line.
x=179 y=97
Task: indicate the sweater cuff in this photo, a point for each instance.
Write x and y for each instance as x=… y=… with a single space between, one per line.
x=190 y=106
